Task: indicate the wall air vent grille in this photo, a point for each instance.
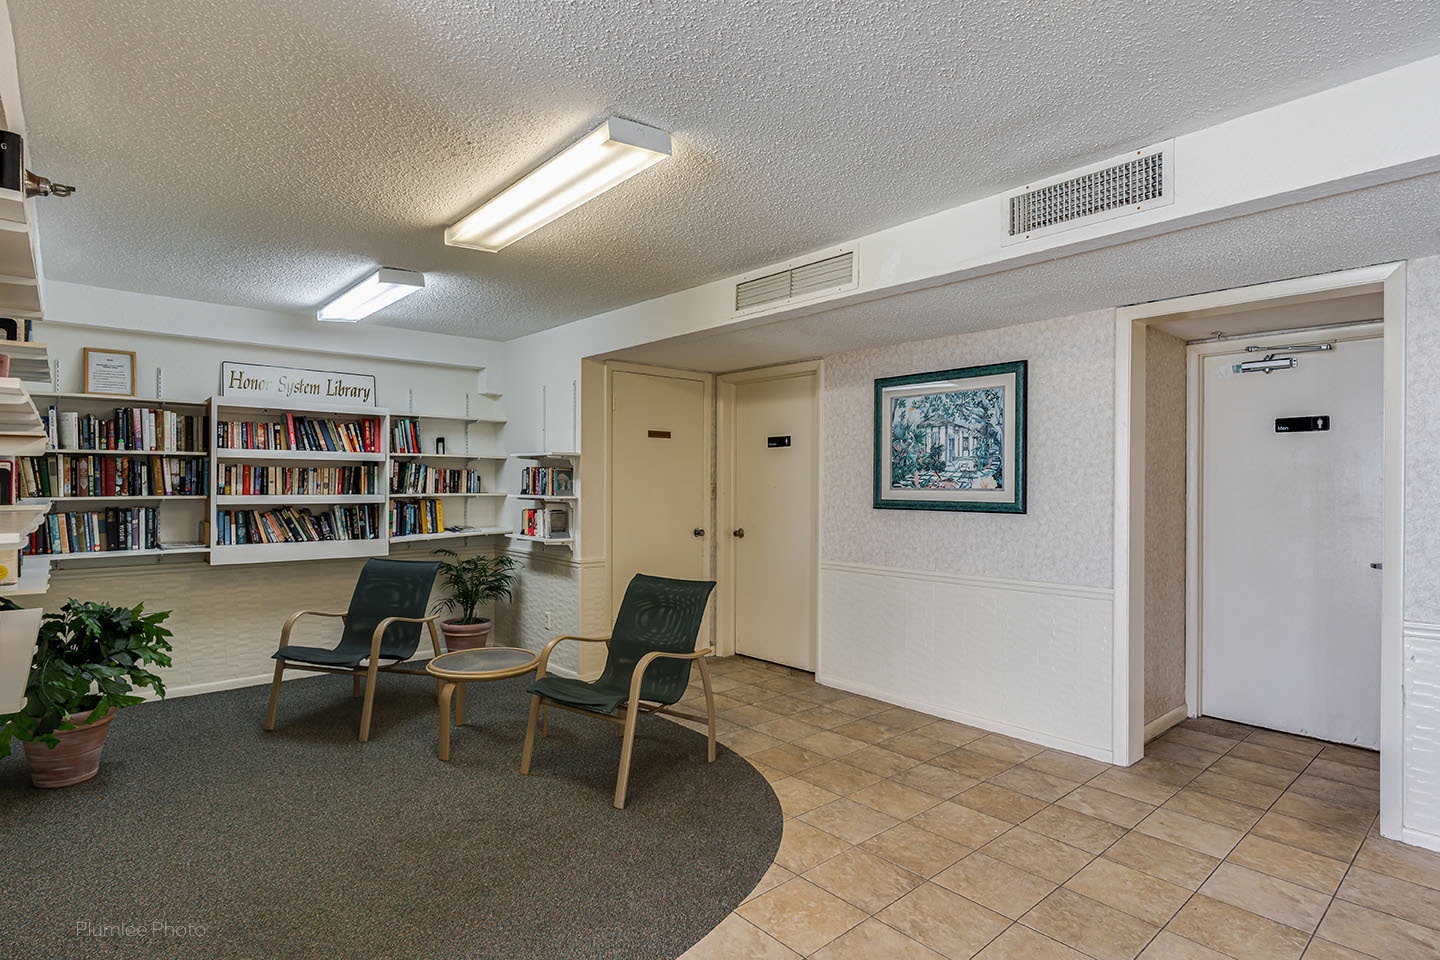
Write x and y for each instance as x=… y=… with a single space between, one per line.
x=803 y=282
x=1137 y=182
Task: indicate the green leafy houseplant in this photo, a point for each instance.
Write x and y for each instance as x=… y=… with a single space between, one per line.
x=88 y=657
x=472 y=582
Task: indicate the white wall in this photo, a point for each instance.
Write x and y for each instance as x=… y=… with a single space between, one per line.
x=1000 y=620
x=1421 y=806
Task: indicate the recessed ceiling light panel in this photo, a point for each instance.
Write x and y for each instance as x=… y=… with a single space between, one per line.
x=378 y=290
x=611 y=153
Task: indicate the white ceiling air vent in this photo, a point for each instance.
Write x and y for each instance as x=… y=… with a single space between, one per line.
x=793 y=284
x=1140 y=180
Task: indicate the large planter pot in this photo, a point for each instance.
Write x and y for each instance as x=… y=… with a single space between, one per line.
x=465 y=636
x=75 y=759
x=17 y=645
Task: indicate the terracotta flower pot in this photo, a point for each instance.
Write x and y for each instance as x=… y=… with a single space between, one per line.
x=465 y=636
x=75 y=759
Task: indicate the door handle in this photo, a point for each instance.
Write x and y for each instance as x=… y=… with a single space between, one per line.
x=698 y=532
x=738 y=533
x=1377 y=566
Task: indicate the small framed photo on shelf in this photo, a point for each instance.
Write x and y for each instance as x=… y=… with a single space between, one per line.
x=952 y=440
x=111 y=372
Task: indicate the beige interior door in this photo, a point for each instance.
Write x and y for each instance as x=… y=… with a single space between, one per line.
x=775 y=467
x=659 y=478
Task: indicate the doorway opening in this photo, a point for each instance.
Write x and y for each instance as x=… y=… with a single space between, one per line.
x=1237 y=528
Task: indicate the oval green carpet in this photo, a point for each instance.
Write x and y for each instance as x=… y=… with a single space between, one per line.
x=204 y=837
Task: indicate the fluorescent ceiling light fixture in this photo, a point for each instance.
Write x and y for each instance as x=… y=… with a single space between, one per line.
x=379 y=290
x=610 y=154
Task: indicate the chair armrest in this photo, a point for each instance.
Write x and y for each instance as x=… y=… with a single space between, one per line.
x=644 y=664
x=290 y=622
x=545 y=654
x=384 y=625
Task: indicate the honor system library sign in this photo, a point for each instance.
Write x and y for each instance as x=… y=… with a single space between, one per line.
x=263 y=382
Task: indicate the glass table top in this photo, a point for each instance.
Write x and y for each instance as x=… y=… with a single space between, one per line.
x=484 y=662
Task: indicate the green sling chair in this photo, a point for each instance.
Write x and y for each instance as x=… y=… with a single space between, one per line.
x=646 y=670
x=382 y=632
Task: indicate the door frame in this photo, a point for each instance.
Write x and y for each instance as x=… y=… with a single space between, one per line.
x=707 y=445
x=725 y=495
x=1195 y=356
x=1128 y=666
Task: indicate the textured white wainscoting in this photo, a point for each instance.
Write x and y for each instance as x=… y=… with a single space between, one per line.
x=1421 y=820
x=226 y=620
x=546 y=585
x=1029 y=660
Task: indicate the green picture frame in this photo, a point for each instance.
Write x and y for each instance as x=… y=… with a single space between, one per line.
x=952 y=439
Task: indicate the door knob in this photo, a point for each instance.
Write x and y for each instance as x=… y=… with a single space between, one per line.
x=738 y=533
x=698 y=532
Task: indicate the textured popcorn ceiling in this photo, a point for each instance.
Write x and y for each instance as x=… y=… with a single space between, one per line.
x=268 y=153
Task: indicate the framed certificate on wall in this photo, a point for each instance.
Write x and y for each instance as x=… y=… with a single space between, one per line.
x=110 y=372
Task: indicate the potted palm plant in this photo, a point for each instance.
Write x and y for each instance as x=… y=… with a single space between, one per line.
x=88 y=658
x=472 y=582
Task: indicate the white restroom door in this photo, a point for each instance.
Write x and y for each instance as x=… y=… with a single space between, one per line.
x=776 y=477
x=1290 y=604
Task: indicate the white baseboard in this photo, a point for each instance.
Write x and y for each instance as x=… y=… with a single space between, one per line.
x=1164 y=722
x=1102 y=754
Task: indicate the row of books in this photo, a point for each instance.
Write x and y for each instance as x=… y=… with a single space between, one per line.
x=301 y=433
x=64 y=475
x=116 y=529
x=408 y=476
x=130 y=428
x=547 y=481
x=245 y=479
x=297 y=525
x=405 y=435
x=418 y=516
x=550 y=524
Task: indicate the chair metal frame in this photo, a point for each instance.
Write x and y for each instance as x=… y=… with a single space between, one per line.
x=629 y=711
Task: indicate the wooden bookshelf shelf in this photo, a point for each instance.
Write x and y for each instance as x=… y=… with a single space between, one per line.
x=143 y=498
x=329 y=456
x=452 y=534
x=557 y=541
x=111 y=554
x=255 y=501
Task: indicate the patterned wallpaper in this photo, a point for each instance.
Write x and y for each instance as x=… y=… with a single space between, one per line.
x=1066 y=535
x=1165 y=427
x=1422 y=440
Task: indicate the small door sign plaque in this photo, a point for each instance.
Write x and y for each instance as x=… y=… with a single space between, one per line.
x=659 y=434
x=777 y=441
x=1301 y=424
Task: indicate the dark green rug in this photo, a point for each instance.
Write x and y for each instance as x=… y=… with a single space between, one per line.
x=204 y=837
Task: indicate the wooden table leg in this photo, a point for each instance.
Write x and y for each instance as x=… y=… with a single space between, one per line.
x=460 y=705
x=446 y=689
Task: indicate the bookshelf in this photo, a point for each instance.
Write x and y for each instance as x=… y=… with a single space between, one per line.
x=296 y=482
x=125 y=476
x=21 y=433
x=450 y=493
x=549 y=498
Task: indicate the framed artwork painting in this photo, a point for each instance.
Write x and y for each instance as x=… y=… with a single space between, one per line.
x=952 y=440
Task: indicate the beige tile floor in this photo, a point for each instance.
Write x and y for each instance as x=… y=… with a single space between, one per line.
x=909 y=837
